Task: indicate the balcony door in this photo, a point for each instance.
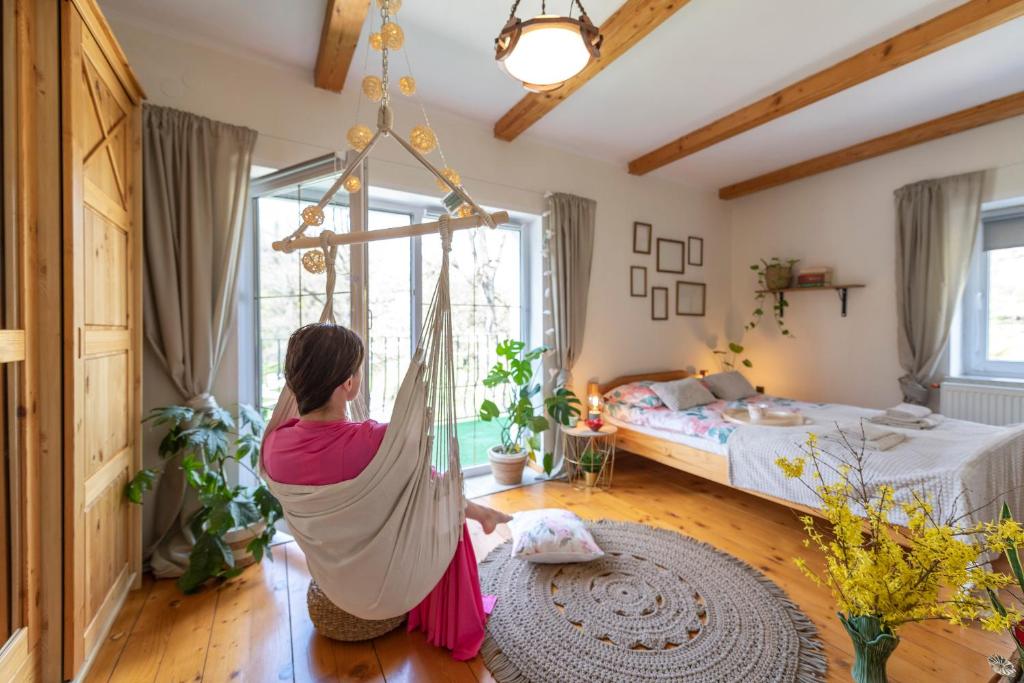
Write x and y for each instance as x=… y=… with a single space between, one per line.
x=384 y=289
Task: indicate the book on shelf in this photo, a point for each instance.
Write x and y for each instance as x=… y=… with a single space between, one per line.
x=814 y=277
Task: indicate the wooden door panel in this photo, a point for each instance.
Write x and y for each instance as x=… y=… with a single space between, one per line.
x=106 y=291
x=102 y=288
x=106 y=411
x=106 y=541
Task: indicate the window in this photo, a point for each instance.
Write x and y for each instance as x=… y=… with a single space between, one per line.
x=489 y=280
x=993 y=306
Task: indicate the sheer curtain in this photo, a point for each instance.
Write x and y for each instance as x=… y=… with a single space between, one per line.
x=936 y=225
x=568 y=250
x=195 y=187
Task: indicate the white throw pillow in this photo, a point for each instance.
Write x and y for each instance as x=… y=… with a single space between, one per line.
x=729 y=386
x=682 y=394
x=552 y=536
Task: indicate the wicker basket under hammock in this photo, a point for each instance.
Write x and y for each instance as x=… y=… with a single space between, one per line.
x=334 y=623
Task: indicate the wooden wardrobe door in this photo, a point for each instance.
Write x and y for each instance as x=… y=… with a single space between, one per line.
x=102 y=295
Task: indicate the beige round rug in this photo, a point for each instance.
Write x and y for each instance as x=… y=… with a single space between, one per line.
x=659 y=606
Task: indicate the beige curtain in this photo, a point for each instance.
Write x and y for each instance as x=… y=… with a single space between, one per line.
x=195 y=187
x=568 y=250
x=936 y=225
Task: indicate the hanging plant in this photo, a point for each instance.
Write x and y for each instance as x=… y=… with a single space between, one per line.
x=772 y=275
x=729 y=357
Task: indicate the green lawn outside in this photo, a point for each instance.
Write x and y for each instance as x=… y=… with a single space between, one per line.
x=475 y=437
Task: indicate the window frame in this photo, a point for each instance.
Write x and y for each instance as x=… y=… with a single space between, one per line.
x=975 y=307
x=273 y=184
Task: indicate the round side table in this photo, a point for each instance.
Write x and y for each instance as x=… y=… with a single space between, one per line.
x=589 y=455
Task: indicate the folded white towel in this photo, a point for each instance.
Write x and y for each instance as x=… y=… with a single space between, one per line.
x=922 y=423
x=908 y=411
x=873 y=437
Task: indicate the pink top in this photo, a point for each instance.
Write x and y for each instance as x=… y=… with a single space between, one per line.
x=313 y=453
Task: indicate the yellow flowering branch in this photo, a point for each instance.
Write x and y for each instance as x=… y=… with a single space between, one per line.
x=928 y=569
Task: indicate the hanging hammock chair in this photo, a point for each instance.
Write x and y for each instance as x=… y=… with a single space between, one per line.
x=378 y=544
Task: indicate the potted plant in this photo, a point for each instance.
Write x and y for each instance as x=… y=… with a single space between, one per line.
x=591 y=462
x=234 y=525
x=520 y=424
x=883 y=575
x=772 y=275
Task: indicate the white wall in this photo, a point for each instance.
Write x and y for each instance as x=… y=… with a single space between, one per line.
x=297 y=121
x=845 y=219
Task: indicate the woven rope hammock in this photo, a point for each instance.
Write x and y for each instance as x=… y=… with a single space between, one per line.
x=379 y=543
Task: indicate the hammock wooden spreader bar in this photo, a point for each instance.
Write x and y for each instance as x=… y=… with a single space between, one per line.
x=336 y=239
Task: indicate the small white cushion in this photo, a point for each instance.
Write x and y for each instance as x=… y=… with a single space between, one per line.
x=729 y=386
x=682 y=394
x=552 y=536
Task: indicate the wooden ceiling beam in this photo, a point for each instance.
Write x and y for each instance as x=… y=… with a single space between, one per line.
x=630 y=24
x=957 y=122
x=959 y=23
x=338 y=39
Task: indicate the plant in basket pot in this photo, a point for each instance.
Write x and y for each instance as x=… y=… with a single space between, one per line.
x=520 y=424
x=591 y=462
x=772 y=276
x=883 y=575
x=234 y=525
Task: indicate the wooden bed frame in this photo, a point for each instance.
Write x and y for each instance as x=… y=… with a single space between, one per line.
x=680 y=456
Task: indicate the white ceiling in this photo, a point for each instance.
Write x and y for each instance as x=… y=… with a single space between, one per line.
x=710 y=58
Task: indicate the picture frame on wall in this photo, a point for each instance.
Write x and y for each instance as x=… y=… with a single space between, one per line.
x=691 y=298
x=637 y=281
x=659 y=303
x=642 y=234
x=695 y=251
x=671 y=256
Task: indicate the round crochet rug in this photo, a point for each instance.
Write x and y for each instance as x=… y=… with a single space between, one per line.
x=659 y=606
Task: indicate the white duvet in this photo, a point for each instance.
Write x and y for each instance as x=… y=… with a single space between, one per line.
x=967 y=469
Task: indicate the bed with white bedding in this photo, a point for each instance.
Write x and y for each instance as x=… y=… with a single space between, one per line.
x=967 y=469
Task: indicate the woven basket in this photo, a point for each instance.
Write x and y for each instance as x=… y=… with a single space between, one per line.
x=778 y=276
x=334 y=623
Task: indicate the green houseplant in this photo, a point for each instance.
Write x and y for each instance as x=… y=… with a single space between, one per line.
x=200 y=442
x=772 y=275
x=591 y=462
x=519 y=422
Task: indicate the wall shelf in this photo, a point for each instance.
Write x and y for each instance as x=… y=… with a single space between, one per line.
x=842 y=290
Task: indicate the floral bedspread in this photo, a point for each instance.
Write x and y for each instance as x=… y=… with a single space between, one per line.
x=706 y=421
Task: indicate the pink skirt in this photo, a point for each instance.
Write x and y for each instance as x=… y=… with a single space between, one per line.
x=453 y=615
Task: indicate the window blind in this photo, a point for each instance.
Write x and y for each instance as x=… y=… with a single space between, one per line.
x=1003 y=232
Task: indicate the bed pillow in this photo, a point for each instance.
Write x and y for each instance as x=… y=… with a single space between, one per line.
x=552 y=536
x=682 y=394
x=729 y=386
x=636 y=394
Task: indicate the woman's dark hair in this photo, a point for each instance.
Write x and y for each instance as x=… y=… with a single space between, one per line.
x=320 y=358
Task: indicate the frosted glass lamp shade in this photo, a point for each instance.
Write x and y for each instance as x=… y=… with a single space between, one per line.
x=547 y=50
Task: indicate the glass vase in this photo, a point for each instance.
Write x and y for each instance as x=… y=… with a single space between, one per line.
x=872 y=645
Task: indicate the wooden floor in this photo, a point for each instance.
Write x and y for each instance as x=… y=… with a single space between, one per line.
x=255 y=627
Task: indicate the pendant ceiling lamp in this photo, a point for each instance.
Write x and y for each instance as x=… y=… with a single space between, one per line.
x=547 y=50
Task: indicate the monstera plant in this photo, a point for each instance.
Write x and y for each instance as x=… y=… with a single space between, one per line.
x=519 y=421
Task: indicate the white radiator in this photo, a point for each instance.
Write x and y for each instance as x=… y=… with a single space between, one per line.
x=985 y=403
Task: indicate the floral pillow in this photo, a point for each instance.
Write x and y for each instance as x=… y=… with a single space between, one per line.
x=552 y=536
x=637 y=394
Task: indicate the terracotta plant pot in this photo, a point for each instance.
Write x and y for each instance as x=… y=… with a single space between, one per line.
x=507 y=469
x=590 y=478
x=239 y=537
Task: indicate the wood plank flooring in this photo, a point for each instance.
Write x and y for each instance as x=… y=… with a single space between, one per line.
x=256 y=628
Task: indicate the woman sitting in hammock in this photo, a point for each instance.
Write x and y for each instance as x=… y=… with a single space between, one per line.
x=323 y=369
